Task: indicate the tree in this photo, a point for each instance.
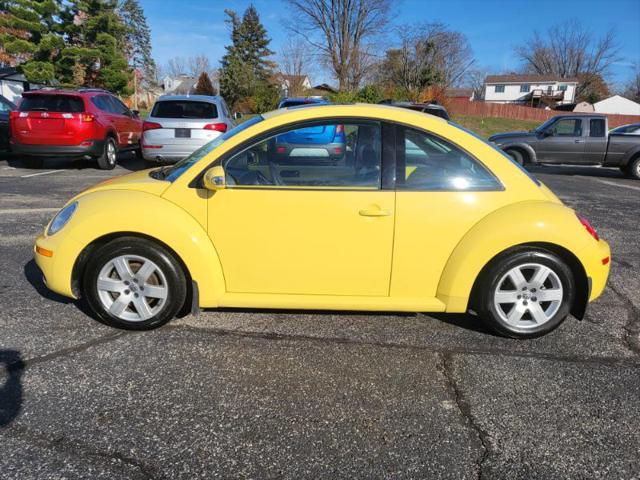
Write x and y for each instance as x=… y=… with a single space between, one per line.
x=632 y=88
x=340 y=29
x=198 y=64
x=204 y=85
x=177 y=66
x=569 y=50
x=137 y=38
x=295 y=63
x=29 y=37
x=246 y=69
x=474 y=79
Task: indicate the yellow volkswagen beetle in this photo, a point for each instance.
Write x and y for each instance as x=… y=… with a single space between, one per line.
x=356 y=207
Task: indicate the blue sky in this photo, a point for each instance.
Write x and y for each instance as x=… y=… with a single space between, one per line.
x=493 y=27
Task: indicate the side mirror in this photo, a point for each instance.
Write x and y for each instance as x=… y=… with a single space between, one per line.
x=214 y=178
x=237 y=116
x=547 y=133
x=135 y=113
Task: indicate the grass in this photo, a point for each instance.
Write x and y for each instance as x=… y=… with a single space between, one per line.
x=487 y=126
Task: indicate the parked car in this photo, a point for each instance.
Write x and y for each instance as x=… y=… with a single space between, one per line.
x=5 y=108
x=460 y=227
x=430 y=108
x=575 y=140
x=180 y=124
x=631 y=129
x=323 y=143
x=85 y=123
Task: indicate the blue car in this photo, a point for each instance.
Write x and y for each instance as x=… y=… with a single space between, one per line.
x=319 y=142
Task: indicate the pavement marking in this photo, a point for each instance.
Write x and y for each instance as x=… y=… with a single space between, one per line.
x=616 y=184
x=9 y=211
x=41 y=173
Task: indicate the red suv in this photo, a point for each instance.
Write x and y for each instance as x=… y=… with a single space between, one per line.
x=85 y=123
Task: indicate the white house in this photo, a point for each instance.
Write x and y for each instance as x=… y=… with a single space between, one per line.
x=290 y=84
x=531 y=90
x=618 y=105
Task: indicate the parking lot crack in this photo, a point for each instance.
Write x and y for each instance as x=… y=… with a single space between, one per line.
x=632 y=325
x=445 y=365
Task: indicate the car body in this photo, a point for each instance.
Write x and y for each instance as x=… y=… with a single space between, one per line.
x=429 y=107
x=5 y=108
x=83 y=123
x=328 y=142
x=575 y=140
x=180 y=124
x=630 y=129
x=384 y=229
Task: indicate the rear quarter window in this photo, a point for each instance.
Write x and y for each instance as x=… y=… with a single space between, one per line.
x=184 y=109
x=52 y=103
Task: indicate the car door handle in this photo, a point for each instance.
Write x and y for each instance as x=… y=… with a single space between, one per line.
x=578 y=141
x=375 y=212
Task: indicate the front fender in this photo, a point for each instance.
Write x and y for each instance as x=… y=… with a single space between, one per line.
x=533 y=158
x=515 y=224
x=102 y=213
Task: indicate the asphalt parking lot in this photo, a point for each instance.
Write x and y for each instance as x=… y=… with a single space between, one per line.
x=261 y=394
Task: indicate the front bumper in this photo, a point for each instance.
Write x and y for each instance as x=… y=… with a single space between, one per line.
x=94 y=150
x=57 y=269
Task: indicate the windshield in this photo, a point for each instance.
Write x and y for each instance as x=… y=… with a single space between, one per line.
x=499 y=150
x=185 y=164
x=544 y=126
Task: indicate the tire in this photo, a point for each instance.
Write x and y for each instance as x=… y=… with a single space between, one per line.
x=109 y=157
x=511 y=305
x=150 y=299
x=633 y=168
x=516 y=155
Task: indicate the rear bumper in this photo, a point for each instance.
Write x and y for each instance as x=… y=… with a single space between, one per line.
x=95 y=149
x=170 y=152
x=596 y=267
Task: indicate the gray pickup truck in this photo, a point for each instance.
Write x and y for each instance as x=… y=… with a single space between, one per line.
x=576 y=140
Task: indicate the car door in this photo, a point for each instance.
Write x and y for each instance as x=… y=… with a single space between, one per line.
x=128 y=131
x=562 y=141
x=441 y=192
x=321 y=228
x=595 y=147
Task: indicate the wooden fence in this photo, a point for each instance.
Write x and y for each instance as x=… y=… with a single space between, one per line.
x=519 y=112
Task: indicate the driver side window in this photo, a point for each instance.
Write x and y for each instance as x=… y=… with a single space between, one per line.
x=320 y=155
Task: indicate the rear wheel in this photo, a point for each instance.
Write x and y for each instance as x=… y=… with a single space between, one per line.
x=526 y=293
x=134 y=284
x=109 y=157
x=633 y=168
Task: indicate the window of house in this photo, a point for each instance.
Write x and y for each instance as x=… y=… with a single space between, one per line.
x=499 y=88
x=428 y=163
x=596 y=127
x=524 y=88
x=549 y=90
x=323 y=155
x=562 y=87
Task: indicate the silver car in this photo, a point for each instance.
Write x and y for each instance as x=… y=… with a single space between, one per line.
x=180 y=124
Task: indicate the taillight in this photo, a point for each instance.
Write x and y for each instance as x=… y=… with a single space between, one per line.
x=592 y=231
x=150 y=126
x=87 y=117
x=281 y=149
x=339 y=128
x=218 y=127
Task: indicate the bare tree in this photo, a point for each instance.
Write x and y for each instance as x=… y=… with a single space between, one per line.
x=176 y=66
x=632 y=88
x=341 y=29
x=198 y=64
x=452 y=52
x=295 y=63
x=569 y=50
x=474 y=79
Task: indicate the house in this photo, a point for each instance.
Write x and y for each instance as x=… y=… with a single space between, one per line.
x=460 y=94
x=181 y=85
x=292 y=85
x=13 y=83
x=617 y=105
x=532 y=90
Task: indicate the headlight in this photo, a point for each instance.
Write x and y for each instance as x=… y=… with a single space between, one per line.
x=61 y=218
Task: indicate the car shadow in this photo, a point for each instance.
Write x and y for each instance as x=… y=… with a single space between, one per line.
x=126 y=160
x=572 y=170
x=10 y=386
x=466 y=321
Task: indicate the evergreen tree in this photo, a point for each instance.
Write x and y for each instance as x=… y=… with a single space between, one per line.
x=246 y=68
x=204 y=85
x=29 y=37
x=137 y=38
x=94 y=54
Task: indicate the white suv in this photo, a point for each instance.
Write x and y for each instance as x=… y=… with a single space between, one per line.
x=180 y=124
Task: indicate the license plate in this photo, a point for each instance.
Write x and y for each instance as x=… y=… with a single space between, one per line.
x=183 y=133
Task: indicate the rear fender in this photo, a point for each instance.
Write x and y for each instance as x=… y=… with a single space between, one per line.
x=510 y=226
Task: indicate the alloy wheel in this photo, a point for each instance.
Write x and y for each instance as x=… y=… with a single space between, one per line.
x=111 y=152
x=132 y=288
x=528 y=295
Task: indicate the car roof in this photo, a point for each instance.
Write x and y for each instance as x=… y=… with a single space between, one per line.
x=65 y=91
x=193 y=98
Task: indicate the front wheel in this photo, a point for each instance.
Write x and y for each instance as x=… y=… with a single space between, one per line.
x=526 y=293
x=134 y=284
x=633 y=169
x=516 y=155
